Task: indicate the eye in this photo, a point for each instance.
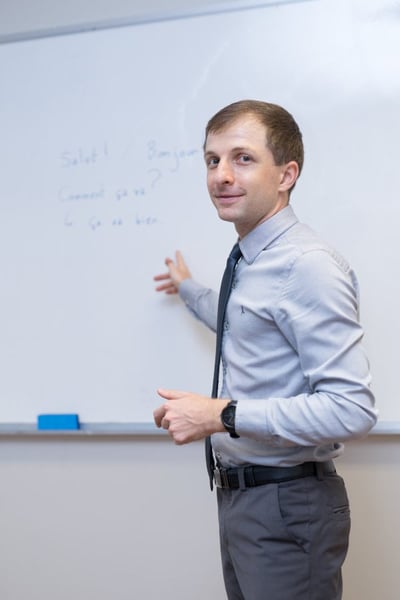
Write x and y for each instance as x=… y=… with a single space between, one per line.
x=212 y=161
x=244 y=158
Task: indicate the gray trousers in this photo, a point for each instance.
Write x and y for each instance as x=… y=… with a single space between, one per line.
x=285 y=541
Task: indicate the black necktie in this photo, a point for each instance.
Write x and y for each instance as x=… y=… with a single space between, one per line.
x=226 y=286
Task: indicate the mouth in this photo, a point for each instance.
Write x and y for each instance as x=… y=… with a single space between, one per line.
x=225 y=199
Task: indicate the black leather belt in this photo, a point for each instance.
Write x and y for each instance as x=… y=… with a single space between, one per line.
x=254 y=475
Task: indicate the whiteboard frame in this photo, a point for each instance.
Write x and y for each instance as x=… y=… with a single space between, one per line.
x=386 y=428
x=167 y=15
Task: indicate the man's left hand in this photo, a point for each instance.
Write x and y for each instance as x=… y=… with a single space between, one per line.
x=187 y=416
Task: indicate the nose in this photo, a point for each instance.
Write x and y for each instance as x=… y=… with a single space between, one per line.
x=225 y=172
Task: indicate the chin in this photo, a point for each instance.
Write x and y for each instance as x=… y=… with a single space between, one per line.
x=226 y=214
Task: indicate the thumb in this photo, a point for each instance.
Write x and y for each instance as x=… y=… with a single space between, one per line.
x=170 y=394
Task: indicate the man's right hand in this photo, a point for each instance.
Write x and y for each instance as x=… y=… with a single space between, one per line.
x=177 y=272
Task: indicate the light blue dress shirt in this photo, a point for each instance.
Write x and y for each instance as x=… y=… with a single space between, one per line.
x=292 y=353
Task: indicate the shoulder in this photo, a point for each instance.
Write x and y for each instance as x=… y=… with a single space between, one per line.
x=315 y=269
x=309 y=252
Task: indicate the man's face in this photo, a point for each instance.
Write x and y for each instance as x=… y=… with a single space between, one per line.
x=245 y=185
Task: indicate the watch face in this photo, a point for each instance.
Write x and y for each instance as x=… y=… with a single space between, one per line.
x=228 y=417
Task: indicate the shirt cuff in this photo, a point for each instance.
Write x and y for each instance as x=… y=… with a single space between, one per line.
x=251 y=421
x=189 y=290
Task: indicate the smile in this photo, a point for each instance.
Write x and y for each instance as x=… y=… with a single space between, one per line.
x=228 y=198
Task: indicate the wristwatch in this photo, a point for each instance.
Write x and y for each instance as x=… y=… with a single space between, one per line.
x=228 y=418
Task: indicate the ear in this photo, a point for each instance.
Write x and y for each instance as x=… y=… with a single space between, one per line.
x=289 y=174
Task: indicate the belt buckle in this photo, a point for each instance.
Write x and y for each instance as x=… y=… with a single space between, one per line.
x=221 y=478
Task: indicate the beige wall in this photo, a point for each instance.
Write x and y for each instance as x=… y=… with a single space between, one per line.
x=371 y=470
x=102 y=519
x=122 y=518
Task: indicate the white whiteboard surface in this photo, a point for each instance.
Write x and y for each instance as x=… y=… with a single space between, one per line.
x=102 y=177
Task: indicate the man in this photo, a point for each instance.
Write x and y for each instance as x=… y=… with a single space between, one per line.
x=293 y=365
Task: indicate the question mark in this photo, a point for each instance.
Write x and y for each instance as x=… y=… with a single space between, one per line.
x=157 y=174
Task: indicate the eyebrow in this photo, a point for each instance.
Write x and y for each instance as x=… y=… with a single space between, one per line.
x=232 y=150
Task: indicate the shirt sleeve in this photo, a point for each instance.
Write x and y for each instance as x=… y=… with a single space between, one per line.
x=317 y=313
x=201 y=301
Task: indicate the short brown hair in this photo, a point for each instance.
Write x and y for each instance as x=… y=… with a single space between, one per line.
x=284 y=137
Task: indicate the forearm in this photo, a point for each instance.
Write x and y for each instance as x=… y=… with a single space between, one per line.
x=306 y=419
x=201 y=301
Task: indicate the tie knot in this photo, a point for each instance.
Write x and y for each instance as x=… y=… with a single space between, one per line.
x=236 y=253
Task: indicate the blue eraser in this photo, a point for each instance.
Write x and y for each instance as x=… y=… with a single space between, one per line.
x=58 y=422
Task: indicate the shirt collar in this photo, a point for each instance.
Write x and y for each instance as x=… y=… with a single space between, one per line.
x=264 y=234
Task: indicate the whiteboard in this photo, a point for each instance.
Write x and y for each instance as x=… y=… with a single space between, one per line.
x=102 y=177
